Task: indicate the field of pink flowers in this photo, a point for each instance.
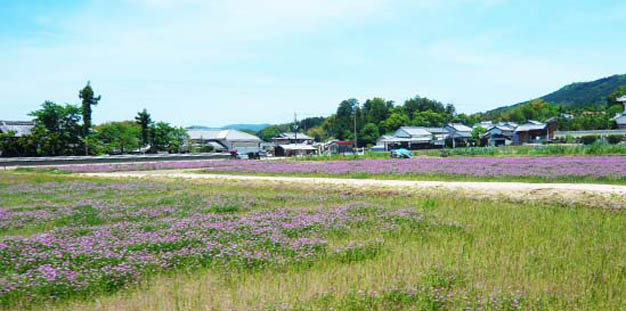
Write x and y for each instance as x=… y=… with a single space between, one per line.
x=598 y=168
x=80 y=238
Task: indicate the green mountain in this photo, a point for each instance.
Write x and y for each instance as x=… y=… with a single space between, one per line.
x=580 y=94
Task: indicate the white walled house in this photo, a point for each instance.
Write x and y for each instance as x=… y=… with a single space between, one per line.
x=230 y=140
x=620 y=119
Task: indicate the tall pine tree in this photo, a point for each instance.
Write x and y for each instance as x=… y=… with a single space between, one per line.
x=88 y=100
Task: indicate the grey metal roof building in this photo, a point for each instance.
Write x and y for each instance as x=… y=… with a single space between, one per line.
x=292 y=138
x=293 y=135
x=20 y=128
x=231 y=140
x=531 y=125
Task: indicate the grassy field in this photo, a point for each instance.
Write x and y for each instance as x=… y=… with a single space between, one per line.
x=509 y=151
x=392 y=250
x=611 y=180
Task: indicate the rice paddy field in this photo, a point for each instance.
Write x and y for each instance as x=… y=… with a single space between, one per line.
x=69 y=242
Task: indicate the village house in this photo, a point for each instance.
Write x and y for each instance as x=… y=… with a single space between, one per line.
x=294 y=150
x=18 y=128
x=339 y=147
x=459 y=134
x=620 y=119
x=411 y=138
x=484 y=124
x=439 y=135
x=500 y=134
x=292 y=138
x=293 y=144
x=225 y=140
x=534 y=132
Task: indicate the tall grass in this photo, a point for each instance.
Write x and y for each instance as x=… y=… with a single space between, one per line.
x=543 y=150
x=489 y=253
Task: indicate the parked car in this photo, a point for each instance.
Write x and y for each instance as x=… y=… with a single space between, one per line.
x=254 y=156
x=401 y=154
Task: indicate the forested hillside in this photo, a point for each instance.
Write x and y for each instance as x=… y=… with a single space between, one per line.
x=587 y=95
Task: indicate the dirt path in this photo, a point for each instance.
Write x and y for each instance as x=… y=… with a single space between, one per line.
x=508 y=188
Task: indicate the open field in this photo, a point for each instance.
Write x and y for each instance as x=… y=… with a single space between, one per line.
x=589 y=169
x=73 y=242
x=523 y=169
x=508 y=151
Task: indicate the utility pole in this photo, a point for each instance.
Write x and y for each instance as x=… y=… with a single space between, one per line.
x=356 y=139
x=295 y=127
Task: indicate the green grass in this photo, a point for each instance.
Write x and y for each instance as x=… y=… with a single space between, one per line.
x=494 y=254
x=541 y=150
x=617 y=180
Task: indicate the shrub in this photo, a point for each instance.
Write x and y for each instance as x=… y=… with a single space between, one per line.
x=589 y=140
x=615 y=139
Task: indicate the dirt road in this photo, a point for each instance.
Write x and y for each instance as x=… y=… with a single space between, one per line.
x=510 y=188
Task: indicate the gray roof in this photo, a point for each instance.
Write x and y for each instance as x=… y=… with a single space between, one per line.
x=20 y=128
x=416 y=131
x=484 y=124
x=504 y=126
x=437 y=130
x=230 y=135
x=407 y=140
x=293 y=136
x=531 y=126
x=622 y=99
x=459 y=127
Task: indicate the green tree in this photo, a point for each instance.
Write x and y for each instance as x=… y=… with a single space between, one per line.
x=376 y=110
x=318 y=133
x=619 y=92
x=423 y=104
x=476 y=133
x=8 y=145
x=58 y=130
x=167 y=138
x=429 y=118
x=394 y=122
x=268 y=133
x=369 y=134
x=88 y=100
x=119 y=137
x=344 y=119
x=144 y=120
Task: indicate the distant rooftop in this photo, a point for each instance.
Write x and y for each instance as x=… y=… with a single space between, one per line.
x=20 y=128
x=460 y=127
x=232 y=135
x=292 y=135
x=531 y=125
x=416 y=131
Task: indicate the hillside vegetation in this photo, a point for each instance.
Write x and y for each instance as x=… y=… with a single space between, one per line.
x=580 y=94
x=578 y=106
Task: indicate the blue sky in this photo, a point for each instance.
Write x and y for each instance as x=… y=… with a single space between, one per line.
x=237 y=61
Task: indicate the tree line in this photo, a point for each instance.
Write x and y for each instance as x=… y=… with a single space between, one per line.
x=68 y=130
x=377 y=116
x=65 y=130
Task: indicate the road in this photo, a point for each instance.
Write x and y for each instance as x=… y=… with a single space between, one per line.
x=508 y=188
